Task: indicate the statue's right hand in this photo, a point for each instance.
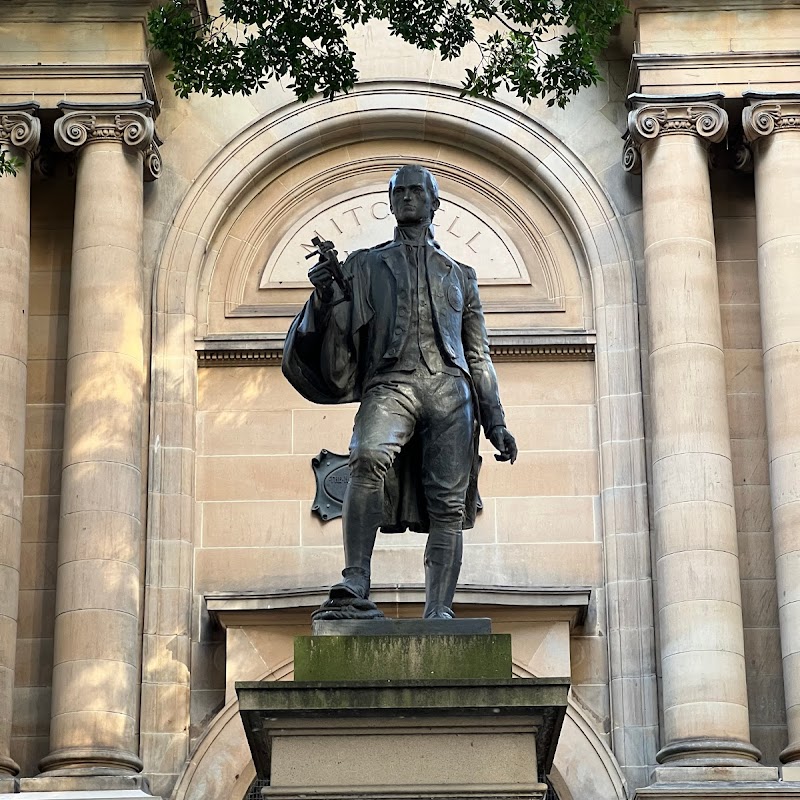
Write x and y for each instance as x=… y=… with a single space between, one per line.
x=321 y=276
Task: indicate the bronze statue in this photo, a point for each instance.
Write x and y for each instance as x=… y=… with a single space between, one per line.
x=400 y=328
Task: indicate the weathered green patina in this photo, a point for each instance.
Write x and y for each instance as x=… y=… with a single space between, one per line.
x=375 y=658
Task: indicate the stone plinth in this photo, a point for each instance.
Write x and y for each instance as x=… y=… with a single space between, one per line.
x=446 y=739
x=83 y=787
x=717 y=783
x=400 y=627
x=374 y=658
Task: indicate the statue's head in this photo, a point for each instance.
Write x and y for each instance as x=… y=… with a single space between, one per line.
x=413 y=195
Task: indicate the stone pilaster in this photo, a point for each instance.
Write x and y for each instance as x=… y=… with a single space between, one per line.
x=97 y=654
x=19 y=137
x=772 y=126
x=697 y=567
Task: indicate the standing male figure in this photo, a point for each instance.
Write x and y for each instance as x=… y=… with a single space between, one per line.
x=408 y=340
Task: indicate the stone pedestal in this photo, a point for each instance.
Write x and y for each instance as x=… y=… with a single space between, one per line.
x=378 y=733
x=65 y=787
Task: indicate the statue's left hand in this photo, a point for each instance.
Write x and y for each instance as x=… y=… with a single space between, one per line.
x=501 y=438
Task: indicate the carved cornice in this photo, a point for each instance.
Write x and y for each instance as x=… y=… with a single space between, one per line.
x=19 y=128
x=50 y=84
x=730 y=72
x=770 y=113
x=504 y=345
x=127 y=123
x=84 y=10
x=651 y=116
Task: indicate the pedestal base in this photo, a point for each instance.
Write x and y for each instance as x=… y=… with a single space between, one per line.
x=718 y=783
x=404 y=738
x=721 y=791
x=82 y=787
x=790 y=772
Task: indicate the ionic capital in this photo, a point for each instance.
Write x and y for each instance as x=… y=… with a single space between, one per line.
x=652 y=116
x=770 y=112
x=19 y=127
x=84 y=123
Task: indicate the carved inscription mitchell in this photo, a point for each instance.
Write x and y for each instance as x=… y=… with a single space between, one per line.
x=355 y=220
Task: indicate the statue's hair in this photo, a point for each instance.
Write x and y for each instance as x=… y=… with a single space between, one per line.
x=430 y=181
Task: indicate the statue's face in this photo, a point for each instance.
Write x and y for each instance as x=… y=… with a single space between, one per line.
x=410 y=198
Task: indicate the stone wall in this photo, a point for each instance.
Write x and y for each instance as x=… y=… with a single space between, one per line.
x=540 y=525
x=51 y=244
x=735 y=231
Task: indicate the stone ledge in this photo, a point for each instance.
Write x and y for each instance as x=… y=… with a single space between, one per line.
x=84 y=83
x=504 y=345
x=111 y=794
x=732 y=73
x=515 y=792
x=545 y=603
x=720 y=790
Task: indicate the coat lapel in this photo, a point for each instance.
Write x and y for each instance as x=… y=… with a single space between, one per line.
x=395 y=260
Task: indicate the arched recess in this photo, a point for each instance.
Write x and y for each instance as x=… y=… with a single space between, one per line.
x=552 y=172
x=221 y=766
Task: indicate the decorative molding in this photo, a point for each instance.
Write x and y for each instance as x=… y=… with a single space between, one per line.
x=770 y=112
x=19 y=128
x=637 y=6
x=631 y=156
x=656 y=115
x=84 y=10
x=729 y=72
x=52 y=83
x=652 y=116
x=86 y=123
x=152 y=164
x=504 y=345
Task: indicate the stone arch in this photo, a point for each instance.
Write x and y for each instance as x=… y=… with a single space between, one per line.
x=594 y=227
x=221 y=766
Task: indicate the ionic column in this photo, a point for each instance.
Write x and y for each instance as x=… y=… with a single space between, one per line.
x=96 y=661
x=697 y=565
x=772 y=124
x=19 y=137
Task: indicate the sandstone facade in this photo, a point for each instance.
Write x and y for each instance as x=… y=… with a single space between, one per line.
x=637 y=254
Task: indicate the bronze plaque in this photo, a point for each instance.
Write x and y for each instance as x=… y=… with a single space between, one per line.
x=333 y=476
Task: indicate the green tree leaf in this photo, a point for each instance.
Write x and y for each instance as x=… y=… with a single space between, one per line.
x=9 y=165
x=252 y=42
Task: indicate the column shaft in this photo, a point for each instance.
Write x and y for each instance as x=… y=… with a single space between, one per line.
x=697 y=567
x=97 y=648
x=19 y=137
x=772 y=123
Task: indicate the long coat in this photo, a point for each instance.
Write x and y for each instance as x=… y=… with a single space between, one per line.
x=333 y=350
